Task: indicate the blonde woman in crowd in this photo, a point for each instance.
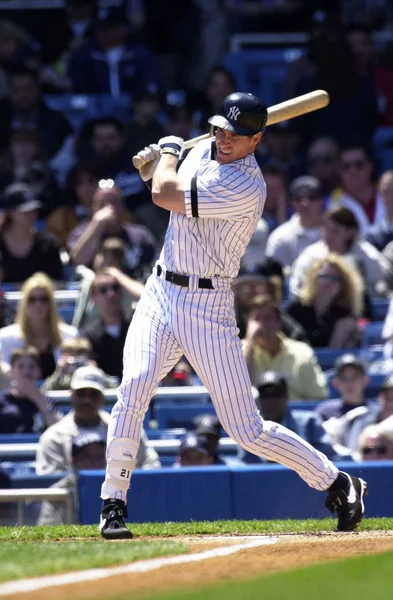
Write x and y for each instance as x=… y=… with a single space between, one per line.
x=330 y=302
x=37 y=324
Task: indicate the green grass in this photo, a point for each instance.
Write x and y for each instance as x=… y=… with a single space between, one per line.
x=191 y=528
x=362 y=578
x=20 y=559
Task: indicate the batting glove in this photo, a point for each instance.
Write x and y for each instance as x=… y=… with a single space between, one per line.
x=172 y=145
x=149 y=158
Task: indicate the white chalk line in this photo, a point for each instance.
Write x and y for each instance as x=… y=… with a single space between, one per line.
x=40 y=583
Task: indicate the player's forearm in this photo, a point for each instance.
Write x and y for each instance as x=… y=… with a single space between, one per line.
x=167 y=189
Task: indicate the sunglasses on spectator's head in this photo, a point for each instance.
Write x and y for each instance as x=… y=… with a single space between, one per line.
x=328 y=277
x=104 y=289
x=40 y=299
x=353 y=164
x=320 y=158
x=374 y=449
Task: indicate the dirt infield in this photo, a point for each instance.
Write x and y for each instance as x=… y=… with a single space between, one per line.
x=289 y=551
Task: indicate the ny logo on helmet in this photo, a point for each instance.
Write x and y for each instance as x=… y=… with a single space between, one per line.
x=234 y=112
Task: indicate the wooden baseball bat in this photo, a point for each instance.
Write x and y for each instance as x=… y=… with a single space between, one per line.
x=295 y=107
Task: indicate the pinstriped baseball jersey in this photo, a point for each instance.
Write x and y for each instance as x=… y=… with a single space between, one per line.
x=223 y=206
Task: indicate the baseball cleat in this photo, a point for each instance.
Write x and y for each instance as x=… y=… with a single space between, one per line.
x=348 y=504
x=112 y=526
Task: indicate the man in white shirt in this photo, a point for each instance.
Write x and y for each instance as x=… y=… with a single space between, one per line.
x=304 y=228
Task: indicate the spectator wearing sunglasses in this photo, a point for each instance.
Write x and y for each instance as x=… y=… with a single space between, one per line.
x=381 y=233
x=54 y=453
x=340 y=234
x=304 y=228
x=37 y=324
x=323 y=163
x=107 y=333
x=376 y=441
x=358 y=190
x=330 y=301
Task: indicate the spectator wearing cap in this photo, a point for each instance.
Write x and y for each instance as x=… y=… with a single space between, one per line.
x=272 y=402
x=340 y=234
x=381 y=233
x=376 y=441
x=111 y=62
x=87 y=453
x=350 y=380
x=107 y=333
x=331 y=301
x=24 y=108
x=108 y=220
x=304 y=227
x=323 y=163
x=266 y=348
x=248 y=287
x=209 y=426
x=358 y=191
x=194 y=451
x=25 y=250
x=347 y=429
x=103 y=149
x=23 y=408
x=54 y=453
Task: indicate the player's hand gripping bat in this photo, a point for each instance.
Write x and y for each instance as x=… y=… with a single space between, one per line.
x=301 y=105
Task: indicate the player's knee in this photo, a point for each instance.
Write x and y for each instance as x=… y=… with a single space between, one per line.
x=247 y=434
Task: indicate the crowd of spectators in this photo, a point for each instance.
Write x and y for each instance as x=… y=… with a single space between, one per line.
x=76 y=215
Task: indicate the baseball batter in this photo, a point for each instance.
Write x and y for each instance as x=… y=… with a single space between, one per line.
x=216 y=199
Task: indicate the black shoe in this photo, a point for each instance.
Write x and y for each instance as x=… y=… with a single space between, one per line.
x=348 y=503
x=112 y=526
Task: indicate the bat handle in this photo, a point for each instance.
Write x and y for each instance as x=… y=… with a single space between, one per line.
x=137 y=162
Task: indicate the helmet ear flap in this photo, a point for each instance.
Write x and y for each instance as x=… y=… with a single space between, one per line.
x=213 y=129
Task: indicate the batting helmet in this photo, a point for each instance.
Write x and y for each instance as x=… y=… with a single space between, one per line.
x=244 y=114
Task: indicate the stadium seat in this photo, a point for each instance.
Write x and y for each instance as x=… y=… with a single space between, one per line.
x=78 y=108
x=75 y=107
x=172 y=415
x=327 y=357
x=372 y=334
x=263 y=72
x=380 y=306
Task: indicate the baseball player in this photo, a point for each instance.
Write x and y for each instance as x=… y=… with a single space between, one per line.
x=216 y=199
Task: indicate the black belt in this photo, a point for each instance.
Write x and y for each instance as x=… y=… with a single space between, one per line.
x=184 y=280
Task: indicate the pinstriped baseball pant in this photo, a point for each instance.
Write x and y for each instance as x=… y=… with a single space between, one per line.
x=171 y=321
